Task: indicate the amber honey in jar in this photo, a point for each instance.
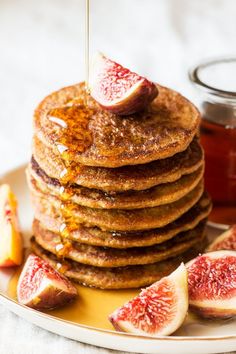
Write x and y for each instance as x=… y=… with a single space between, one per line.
x=216 y=81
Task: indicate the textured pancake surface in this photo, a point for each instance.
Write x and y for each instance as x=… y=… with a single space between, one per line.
x=165 y=128
x=119 y=219
x=93 y=198
x=111 y=257
x=138 y=177
x=97 y=237
x=115 y=278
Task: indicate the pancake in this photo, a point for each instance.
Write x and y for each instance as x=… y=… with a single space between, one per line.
x=94 y=137
x=119 y=201
x=93 y=198
x=124 y=178
x=111 y=257
x=138 y=177
x=115 y=278
x=97 y=237
x=118 y=219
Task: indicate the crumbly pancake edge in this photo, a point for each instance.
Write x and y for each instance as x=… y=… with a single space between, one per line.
x=162 y=194
x=116 y=278
x=96 y=237
x=118 y=219
x=138 y=177
x=110 y=257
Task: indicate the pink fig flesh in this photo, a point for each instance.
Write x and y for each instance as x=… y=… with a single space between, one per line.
x=212 y=284
x=42 y=287
x=119 y=90
x=159 y=309
x=226 y=241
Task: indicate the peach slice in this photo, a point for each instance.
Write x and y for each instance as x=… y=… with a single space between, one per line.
x=159 y=309
x=11 y=250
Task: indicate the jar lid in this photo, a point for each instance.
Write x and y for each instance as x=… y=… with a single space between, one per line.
x=217 y=76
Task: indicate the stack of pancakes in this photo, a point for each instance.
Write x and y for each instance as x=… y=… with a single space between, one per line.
x=119 y=201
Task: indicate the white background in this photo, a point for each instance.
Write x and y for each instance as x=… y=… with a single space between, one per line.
x=42 y=49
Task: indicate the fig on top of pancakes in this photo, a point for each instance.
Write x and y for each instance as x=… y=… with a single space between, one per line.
x=166 y=127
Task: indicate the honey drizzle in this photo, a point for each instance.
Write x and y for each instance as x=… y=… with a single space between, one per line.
x=84 y=310
x=73 y=136
x=87 y=42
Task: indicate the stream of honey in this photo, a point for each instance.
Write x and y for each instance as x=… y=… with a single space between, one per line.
x=74 y=137
x=87 y=40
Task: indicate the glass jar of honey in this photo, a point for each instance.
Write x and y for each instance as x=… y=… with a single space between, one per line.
x=216 y=83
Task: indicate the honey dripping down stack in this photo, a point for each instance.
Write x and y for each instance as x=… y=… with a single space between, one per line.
x=73 y=137
x=117 y=194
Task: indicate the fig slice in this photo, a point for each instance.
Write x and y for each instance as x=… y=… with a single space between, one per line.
x=226 y=241
x=159 y=309
x=117 y=89
x=42 y=287
x=212 y=284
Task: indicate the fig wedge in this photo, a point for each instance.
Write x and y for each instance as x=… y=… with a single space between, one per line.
x=160 y=309
x=11 y=250
x=42 y=287
x=117 y=89
x=226 y=241
x=212 y=284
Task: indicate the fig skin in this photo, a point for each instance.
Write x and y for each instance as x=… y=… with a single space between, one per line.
x=166 y=321
x=225 y=241
x=140 y=98
x=50 y=298
x=211 y=313
x=212 y=284
x=52 y=289
x=136 y=98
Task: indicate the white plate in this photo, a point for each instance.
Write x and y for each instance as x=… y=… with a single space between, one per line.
x=195 y=336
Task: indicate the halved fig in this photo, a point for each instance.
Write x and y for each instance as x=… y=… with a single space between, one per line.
x=42 y=287
x=117 y=89
x=11 y=249
x=226 y=241
x=160 y=309
x=212 y=284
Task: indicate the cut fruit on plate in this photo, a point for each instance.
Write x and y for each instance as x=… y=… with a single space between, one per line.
x=11 y=250
x=160 y=309
x=117 y=89
x=212 y=284
x=42 y=287
x=226 y=241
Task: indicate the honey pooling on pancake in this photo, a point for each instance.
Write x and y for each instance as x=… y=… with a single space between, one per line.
x=73 y=137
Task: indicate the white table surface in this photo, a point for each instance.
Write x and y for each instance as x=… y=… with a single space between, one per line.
x=41 y=50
